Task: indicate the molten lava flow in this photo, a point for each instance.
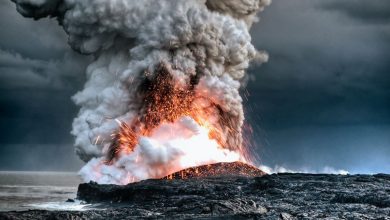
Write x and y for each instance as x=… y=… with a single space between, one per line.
x=217 y=169
x=167 y=149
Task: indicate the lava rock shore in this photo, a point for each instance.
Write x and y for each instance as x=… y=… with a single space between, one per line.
x=234 y=196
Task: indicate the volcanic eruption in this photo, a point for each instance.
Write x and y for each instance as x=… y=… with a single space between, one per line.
x=162 y=93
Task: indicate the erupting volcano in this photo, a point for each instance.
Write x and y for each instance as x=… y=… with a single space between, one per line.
x=162 y=94
x=167 y=102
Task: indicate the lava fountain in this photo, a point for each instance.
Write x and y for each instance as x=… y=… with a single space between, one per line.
x=162 y=93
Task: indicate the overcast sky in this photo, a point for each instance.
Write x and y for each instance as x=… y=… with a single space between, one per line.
x=322 y=100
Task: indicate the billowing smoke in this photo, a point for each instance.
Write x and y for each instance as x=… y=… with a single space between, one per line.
x=163 y=91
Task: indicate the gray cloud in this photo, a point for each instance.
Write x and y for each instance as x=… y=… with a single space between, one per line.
x=323 y=98
x=24 y=36
x=34 y=54
x=321 y=66
x=38 y=75
x=18 y=72
x=374 y=11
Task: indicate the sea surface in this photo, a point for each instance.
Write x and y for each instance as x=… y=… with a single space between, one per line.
x=39 y=190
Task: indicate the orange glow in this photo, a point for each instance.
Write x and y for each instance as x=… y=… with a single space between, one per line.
x=165 y=102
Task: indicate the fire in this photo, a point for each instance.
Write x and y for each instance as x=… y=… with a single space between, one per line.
x=170 y=134
x=165 y=101
x=169 y=148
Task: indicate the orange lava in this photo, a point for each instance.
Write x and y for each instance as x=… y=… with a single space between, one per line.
x=217 y=169
x=165 y=101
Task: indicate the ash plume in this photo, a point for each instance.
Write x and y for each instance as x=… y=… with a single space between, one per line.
x=186 y=57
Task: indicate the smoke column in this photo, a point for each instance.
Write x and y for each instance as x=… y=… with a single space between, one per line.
x=163 y=91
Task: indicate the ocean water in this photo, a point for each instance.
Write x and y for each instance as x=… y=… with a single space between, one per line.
x=39 y=190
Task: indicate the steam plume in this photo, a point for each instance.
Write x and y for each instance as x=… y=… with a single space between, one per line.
x=204 y=47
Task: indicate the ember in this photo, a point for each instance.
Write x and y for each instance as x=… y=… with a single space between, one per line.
x=165 y=101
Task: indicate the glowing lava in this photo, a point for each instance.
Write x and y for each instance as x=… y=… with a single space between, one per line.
x=170 y=134
x=167 y=99
x=217 y=170
x=170 y=148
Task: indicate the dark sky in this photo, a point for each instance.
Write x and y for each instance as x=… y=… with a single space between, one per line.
x=322 y=100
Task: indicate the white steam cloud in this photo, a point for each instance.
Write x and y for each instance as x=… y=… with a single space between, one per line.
x=129 y=39
x=161 y=154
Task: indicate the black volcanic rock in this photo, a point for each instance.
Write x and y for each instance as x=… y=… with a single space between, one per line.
x=148 y=191
x=277 y=196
